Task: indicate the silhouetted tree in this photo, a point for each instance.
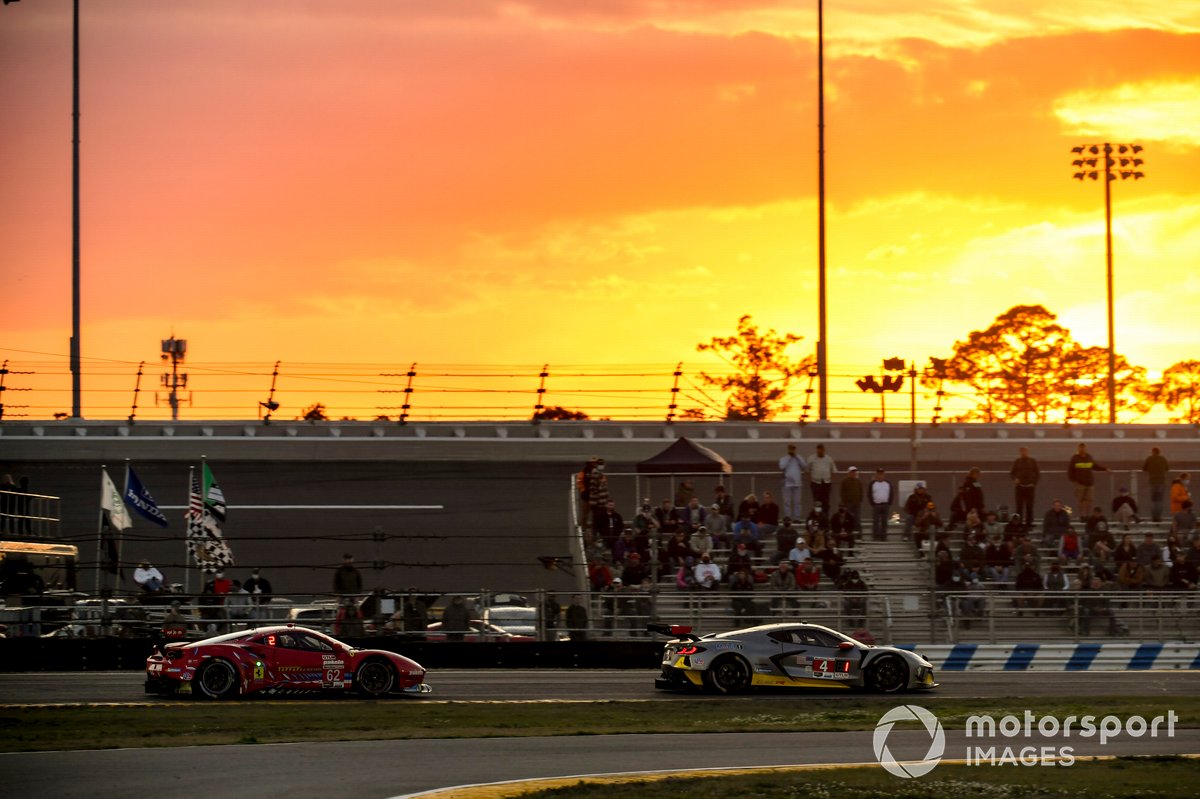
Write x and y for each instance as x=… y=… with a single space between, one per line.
x=556 y=413
x=1179 y=390
x=1026 y=367
x=762 y=373
x=315 y=413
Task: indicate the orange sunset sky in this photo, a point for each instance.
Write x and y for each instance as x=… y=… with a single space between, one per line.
x=353 y=186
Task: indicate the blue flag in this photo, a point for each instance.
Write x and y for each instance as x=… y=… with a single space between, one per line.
x=138 y=498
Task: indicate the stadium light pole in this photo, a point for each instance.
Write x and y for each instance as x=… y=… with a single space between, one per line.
x=822 y=360
x=1091 y=167
x=76 y=381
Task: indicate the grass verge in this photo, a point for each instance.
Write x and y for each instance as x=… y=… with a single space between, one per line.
x=187 y=722
x=1142 y=777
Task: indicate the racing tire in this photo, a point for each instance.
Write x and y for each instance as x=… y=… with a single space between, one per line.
x=728 y=675
x=216 y=679
x=887 y=675
x=375 y=678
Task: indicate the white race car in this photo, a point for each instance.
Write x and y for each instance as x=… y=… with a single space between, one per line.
x=796 y=655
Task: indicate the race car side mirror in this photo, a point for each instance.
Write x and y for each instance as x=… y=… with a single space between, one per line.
x=844 y=645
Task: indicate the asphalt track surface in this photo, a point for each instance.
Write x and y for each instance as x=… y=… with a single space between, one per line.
x=399 y=768
x=597 y=684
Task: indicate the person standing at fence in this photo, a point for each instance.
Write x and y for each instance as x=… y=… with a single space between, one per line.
x=821 y=469
x=577 y=619
x=1081 y=471
x=792 y=467
x=851 y=491
x=347 y=581
x=1025 y=475
x=880 y=493
x=260 y=593
x=1179 y=492
x=598 y=495
x=1156 y=468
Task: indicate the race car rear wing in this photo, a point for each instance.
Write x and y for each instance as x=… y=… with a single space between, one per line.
x=677 y=630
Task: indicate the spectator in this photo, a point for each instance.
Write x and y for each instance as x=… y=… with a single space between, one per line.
x=174 y=622
x=666 y=517
x=747 y=516
x=958 y=509
x=807 y=576
x=1054 y=524
x=768 y=516
x=551 y=611
x=1090 y=606
x=740 y=585
x=855 y=607
x=624 y=546
x=1156 y=468
x=973 y=555
x=707 y=574
x=678 y=550
x=998 y=559
x=973 y=492
x=1025 y=475
x=634 y=572
x=1026 y=551
x=238 y=603
x=583 y=489
x=927 y=523
x=691 y=516
x=348 y=622
x=613 y=603
x=260 y=592
x=1158 y=574
x=645 y=521
x=1132 y=575
x=1069 y=547
x=1081 y=471
x=1028 y=581
x=718 y=527
x=577 y=619
x=723 y=504
x=792 y=467
x=1183 y=523
x=1184 y=574
x=1096 y=527
x=685 y=575
x=702 y=541
x=346 y=580
x=1147 y=551
x=946 y=575
x=8 y=504
x=148 y=577
x=1125 y=508
x=1179 y=492
x=990 y=527
x=832 y=562
x=782 y=580
x=880 y=493
x=816 y=522
x=799 y=553
x=1100 y=557
x=1125 y=551
x=843 y=527
x=1056 y=580
x=456 y=619
x=745 y=538
x=785 y=539
x=600 y=575
x=916 y=503
x=415 y=613
x=1015 y=528
x=685 y=493
x=851 y=493
x=607 y=524
x=821 y=470
x=1171 y=549
x=598 y=496
x=739 y=558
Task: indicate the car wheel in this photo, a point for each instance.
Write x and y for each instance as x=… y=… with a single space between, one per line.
x=729 y=675
x=217 y=679
x=375 y=678
x=887 y=675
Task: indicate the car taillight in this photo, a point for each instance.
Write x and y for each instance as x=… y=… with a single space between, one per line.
x=689 y=650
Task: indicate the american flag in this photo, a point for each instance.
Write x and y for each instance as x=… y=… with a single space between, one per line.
x=206 y=545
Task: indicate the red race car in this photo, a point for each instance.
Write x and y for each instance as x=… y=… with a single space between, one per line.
x=278 y=661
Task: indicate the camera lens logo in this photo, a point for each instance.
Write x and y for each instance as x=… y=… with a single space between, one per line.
x=909 y=769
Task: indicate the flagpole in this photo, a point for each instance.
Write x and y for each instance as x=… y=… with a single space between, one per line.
x=120 y=536
x=187 y=531
x=100 y=531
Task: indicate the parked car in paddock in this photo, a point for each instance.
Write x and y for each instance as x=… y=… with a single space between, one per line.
x=278 y=660
x=480 y=631
x=796 y=655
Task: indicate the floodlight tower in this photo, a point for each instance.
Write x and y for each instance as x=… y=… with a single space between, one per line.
x=1126 y=158
x=174 y=350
